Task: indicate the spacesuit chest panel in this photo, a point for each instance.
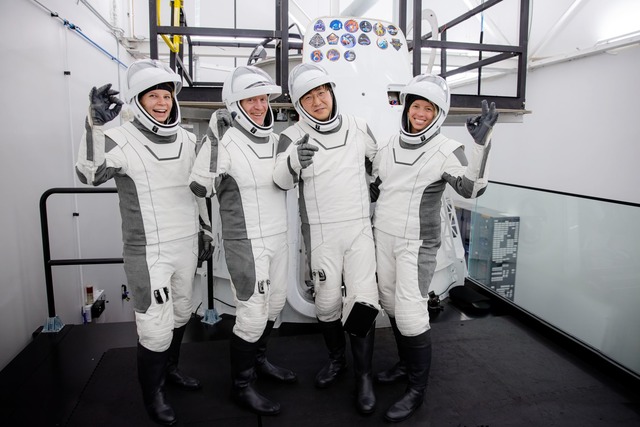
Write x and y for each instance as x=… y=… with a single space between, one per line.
x=262 y=204
x=406 y=175
x=335 y=188
x=159 y=173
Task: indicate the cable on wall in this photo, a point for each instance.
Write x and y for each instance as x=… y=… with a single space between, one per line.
x=78 y=30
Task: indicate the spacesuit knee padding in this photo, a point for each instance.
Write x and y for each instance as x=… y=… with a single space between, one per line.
x=158 y=341
x=411 y=327
x=359 y=316
x=250 y=330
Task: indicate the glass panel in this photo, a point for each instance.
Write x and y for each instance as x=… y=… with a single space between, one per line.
x=568 y=260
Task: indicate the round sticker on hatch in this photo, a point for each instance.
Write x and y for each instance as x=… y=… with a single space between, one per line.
x=383 y=44
x=379 y=29
x=317 y=40
x=336 y=24
x=364 y=40
x=333 y=55
x=349 y=55
x=348 y=40
x=351 y=26
x=392 y=30
x=365 y=26
x=316 y=56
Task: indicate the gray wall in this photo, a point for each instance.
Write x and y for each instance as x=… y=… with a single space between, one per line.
x=581 y=136
x=43 y=116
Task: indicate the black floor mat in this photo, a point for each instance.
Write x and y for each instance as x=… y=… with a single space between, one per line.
x=487 y=372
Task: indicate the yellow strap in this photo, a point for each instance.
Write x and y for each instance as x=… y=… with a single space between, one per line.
x=177 y=40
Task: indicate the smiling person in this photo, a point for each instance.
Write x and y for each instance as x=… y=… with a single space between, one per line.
x=411 y=173
x=165 y=228
x=236 y=163
x=324 y=154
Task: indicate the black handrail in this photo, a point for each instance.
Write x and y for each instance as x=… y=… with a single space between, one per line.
x=48 y=262
x=44 y=226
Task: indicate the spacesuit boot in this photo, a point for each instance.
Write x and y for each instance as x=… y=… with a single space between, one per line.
x=267 y=369
x=362 y=351
x=397 y=372
x=174 y=376
x=151 y=374
x=336 y=343
x=418 y=356
x=243 y=376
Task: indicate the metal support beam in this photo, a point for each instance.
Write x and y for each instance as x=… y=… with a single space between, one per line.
x=218 y=32
x=522 y=60
x=282 y=48
x=417 y=30
x=153 y=30
x=402 y=16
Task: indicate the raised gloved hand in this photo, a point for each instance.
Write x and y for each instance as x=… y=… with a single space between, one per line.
x=305 y=151
x=205 y=246
x=104 y=105
x=224 y=119
x=480 y=127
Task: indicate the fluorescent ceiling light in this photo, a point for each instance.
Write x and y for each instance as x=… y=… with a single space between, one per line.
x=617 y=39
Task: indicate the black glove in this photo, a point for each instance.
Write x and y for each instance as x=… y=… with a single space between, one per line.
x=104 y=104
x=305 y=151
x=205 y=247
x=480 y=126
x=224 y=119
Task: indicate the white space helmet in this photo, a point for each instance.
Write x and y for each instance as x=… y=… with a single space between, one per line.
x=247 y=81
x=302 y=79
x=143 y=75
x=432 y=88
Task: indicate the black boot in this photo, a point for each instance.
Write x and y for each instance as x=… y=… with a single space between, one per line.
x=151 y=375
x=418 y=356
x=362 y=350
x=266 y=368
x=174 y=376
x=397 y=372
x=336 y=343
x=243 y=376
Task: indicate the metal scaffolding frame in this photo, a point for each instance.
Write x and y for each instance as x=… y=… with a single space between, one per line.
x=199 y=92
x=504 y=52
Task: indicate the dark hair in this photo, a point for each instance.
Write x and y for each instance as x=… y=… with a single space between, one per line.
x=326 y=86
x=164 y=86
x=411 y=98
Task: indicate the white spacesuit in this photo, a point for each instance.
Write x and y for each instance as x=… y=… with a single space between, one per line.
x=239 y=170
x=150 y=161
x=325 y=157
x=410 y=174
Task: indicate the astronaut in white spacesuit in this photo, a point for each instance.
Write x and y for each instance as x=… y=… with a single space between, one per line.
x=324 y=154
x=150 y=160
x=236 y=163
x=410 y=174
